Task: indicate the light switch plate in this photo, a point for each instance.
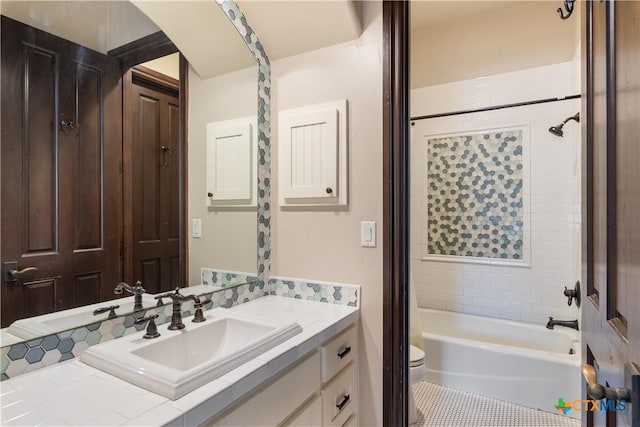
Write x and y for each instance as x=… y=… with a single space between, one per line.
x=196 y=228
x=368 y=234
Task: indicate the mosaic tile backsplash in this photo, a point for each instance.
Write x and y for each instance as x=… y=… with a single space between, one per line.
x=224 y=278
x=333 y=293
x=475 y=194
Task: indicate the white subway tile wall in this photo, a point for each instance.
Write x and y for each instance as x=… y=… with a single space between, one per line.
x=530 y=293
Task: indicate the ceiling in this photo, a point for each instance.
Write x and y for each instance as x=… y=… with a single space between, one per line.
x=98 y=25
x=210 y=44
x=202 y=33
x=287 y=28
x=429 y=13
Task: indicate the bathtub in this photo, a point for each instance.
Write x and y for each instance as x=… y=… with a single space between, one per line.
x=517 y=362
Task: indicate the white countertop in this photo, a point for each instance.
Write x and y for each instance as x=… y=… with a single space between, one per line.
x=73 y=393
x=7 y=338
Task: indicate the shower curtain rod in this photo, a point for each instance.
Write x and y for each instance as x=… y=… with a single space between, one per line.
x=495 y=107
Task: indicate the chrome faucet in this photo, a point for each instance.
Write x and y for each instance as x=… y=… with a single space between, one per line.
x=568 y=323
x=176 y=317
x=137 y=290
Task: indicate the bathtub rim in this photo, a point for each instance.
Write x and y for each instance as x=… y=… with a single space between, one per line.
x=568 y=359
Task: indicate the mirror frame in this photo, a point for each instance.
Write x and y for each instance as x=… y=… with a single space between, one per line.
x=227 y=297
x=237 y=18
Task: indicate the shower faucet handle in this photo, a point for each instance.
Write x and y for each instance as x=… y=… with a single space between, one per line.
x=573 y=294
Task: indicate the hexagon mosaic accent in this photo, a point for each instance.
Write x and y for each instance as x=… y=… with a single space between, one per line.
x=475 y=194
x=233 y=12
x=333 y=293
x=225 y=278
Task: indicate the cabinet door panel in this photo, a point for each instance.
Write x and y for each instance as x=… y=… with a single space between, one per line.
x=273 y=405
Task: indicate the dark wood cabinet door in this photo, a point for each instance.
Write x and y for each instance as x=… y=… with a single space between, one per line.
x=611 y=200
x=61 y=181
x=155 y=175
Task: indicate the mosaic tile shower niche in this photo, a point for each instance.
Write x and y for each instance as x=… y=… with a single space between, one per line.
x=475 y=196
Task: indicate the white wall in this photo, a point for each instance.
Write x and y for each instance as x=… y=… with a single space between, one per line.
x=325 y=244
x=168 y=65
x=528 y=34
x=529 y=294
x=229 y=239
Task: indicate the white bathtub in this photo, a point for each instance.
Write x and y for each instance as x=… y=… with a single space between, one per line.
x=517 y=362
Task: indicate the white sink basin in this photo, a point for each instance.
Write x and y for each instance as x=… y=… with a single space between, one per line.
x=180 y=361
x=46 y=324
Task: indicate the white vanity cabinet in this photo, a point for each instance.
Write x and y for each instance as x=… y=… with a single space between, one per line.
x=320 y=390
x=340 y=378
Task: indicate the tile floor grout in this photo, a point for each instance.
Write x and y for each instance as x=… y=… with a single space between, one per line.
x=443 y=407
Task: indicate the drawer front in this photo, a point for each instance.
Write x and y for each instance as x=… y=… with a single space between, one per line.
x=273 y=404
x=352 y=421
x=311 y=415
x=339 y=398
x=338 y=353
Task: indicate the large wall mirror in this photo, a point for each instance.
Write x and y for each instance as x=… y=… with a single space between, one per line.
x=92 y=172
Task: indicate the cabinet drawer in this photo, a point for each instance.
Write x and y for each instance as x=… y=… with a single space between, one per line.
x=339 y=398
x=273 y=404
x=352 y=421
x=338 y=353
x=310 y=415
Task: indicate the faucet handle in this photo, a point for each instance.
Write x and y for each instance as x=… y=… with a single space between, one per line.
x=166 y=295
x=573 y=294
x=138 y=287
x=152 y=329
x=198 y=316
x=111 y=309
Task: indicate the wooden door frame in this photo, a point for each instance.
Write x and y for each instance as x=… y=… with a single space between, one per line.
x=145 y=49
x=395 y=15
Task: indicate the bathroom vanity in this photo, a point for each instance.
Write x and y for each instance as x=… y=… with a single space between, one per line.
x=310 y=379
x=321 y=390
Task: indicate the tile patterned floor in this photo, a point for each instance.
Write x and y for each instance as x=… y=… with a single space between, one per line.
x=443 y=407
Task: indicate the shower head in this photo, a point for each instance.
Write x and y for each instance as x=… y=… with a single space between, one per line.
x=557 y=130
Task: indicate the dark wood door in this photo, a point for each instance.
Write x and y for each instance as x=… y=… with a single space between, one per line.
x=155 y=175
x=611 y=200
x=61 y=184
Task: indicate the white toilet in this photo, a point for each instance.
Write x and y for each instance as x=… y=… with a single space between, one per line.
x=417 y=373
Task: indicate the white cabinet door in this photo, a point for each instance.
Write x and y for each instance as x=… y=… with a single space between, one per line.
x=312 y=146
x=309 y=155
x=231 y=163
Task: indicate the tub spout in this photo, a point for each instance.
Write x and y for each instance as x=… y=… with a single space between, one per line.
x=568 y=323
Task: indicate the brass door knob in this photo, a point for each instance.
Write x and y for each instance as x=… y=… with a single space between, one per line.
x=597 y=391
